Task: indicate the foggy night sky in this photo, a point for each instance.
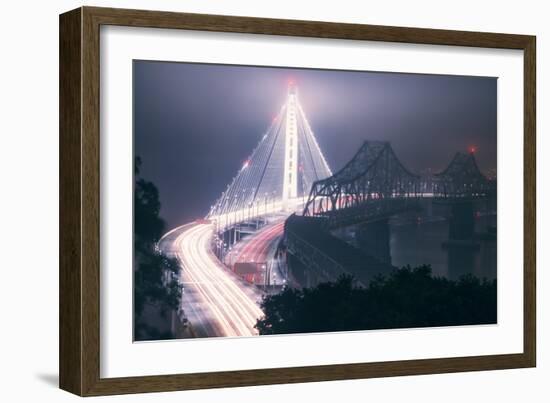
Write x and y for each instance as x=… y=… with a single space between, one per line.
x=195 y=124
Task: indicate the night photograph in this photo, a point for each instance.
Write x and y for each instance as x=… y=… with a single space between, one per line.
x=275 y=200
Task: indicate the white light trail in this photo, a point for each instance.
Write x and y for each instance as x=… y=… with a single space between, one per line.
x=234 y=312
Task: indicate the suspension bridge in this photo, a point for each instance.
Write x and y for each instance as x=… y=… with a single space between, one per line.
x=279 y=172
x=286 y=191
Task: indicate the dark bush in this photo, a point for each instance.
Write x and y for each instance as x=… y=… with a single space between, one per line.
x=405 y=298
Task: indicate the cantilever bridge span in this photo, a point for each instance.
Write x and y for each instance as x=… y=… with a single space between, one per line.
x=372 y=187
x=373 y=183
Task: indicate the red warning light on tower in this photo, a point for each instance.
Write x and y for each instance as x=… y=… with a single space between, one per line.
x=291 y=86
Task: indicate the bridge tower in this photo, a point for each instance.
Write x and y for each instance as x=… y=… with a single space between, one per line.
x=290 y=176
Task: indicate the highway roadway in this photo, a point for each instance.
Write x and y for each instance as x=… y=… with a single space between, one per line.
x=259 y=248
x=216 y=302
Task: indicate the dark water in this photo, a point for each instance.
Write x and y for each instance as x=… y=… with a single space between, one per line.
x=417 y=240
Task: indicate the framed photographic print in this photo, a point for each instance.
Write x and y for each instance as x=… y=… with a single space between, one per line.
x=250 y=201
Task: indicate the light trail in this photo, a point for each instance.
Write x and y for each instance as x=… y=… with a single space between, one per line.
x=234 y=312
x=257 y=249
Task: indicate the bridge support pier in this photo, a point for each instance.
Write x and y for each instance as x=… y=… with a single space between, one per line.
x=462 y=222
x=230 y=236
x=374 y=238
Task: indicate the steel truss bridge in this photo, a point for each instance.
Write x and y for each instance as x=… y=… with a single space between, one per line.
x=462 y=179
x=374 y=184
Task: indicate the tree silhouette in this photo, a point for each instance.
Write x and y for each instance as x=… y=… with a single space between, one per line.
x=155 y=275
x=405 y=298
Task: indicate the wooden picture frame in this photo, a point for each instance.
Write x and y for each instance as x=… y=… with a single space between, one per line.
x=79 y=346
